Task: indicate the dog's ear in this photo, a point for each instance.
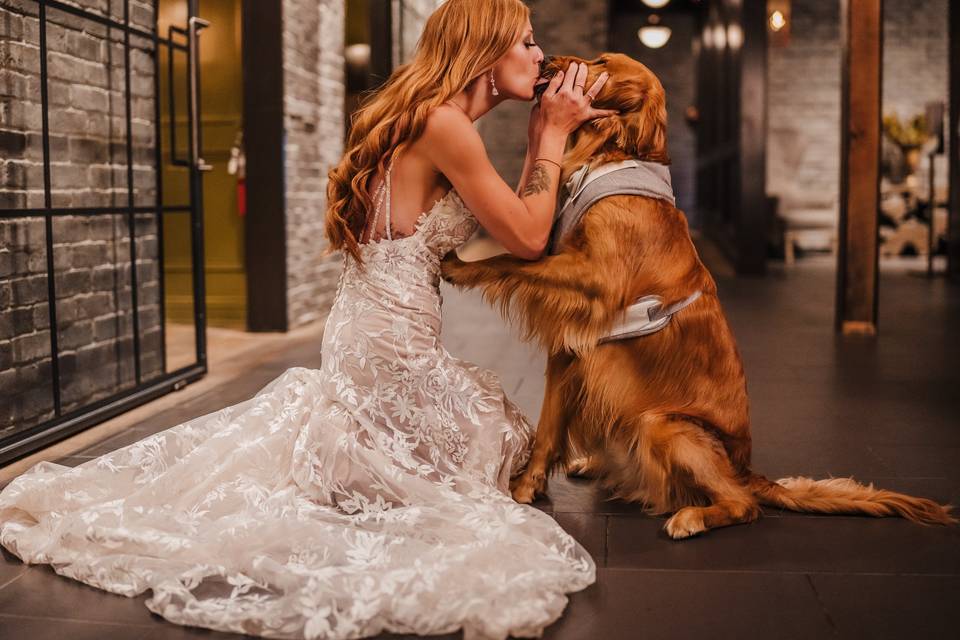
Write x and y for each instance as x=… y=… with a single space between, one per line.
x=640 y=130
x=613 y=129
x=647 y=128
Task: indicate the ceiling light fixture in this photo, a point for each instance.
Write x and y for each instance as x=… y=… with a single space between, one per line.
x=654 y=35
x=777 y=20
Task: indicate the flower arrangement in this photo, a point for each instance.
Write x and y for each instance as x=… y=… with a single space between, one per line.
x=909 y=135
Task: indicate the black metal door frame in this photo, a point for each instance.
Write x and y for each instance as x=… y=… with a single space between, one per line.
x=66 y=424
x=953 y=144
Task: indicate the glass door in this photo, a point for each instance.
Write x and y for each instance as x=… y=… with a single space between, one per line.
x=101 y=221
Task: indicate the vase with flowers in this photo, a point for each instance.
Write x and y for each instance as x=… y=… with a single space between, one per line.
x=909 y=136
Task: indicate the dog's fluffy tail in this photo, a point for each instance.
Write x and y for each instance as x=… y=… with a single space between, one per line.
x=845 y=495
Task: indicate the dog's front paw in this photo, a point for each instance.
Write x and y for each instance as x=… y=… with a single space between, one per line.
x=526 y=488
x=451 y=266
x=685 y=523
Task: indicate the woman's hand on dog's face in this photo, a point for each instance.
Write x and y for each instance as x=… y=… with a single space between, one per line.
x=565 y=104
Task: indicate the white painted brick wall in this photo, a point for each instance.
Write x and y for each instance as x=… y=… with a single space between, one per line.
x=803 y=145
x=314 y=122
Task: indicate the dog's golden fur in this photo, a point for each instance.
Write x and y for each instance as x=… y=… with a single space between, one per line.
x=660 y=419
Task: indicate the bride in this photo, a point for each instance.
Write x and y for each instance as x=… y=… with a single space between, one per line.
x=372 y=494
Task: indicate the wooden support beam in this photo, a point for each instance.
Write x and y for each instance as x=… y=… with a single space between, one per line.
x=264 y=226
x=953 y=144
x=861 y=72
x=381 y=42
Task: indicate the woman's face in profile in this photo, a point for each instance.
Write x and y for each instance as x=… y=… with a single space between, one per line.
x=518 y=70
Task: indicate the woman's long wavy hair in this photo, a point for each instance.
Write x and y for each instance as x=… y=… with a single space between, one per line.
x=461 y=40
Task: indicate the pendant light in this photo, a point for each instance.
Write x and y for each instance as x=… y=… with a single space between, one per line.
x=654 y=35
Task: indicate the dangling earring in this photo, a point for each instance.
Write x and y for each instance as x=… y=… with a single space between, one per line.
x=493 y=85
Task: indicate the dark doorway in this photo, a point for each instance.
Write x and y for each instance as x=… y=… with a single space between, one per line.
x=368 y=52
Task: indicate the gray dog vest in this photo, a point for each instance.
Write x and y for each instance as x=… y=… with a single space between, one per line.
x=630 y=177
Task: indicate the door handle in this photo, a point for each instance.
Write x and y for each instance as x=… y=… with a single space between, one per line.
x=194 y=26
x=172 y=94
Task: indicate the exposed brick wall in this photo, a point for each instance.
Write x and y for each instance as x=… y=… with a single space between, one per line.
x=408 y=26
x=560 y=27
x=803 y=145
x=314 y=122
x=915 y=44
x=803 y=92
x=87 y=120
x=313 y=71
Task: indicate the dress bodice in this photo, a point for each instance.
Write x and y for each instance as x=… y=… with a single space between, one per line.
x=440 y=229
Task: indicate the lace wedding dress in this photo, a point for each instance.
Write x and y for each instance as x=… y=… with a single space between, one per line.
x=369 y=495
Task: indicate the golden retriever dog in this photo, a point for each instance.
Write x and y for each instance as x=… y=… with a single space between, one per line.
x=660 y=419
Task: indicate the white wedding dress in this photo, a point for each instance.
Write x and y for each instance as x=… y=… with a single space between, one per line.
x=366 y=496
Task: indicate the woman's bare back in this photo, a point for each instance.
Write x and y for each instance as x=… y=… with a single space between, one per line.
x=415 y=186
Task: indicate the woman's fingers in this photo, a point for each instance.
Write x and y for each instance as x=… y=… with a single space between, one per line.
x=581 y=79
x=555 y=81
x=597 y=85
x=568 y=108
x=602 y=113
x=570 y=76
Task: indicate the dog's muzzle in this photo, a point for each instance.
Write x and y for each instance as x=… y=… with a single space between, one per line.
x=546 y=73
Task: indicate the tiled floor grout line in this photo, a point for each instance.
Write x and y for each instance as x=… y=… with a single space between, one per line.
x=135 y=625
x=606 y=539
x=767 y=515
x=788 y=572
x=823 y=606
x=14 y=578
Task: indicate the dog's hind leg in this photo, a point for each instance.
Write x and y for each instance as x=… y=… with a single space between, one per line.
x=685 y=466
x=550 y=441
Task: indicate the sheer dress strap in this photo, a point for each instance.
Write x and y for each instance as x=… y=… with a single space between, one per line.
x=386 y=224
x=382 y=194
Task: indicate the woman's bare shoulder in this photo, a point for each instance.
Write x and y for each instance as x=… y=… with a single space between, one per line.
x=450 y=136
x=446 y=122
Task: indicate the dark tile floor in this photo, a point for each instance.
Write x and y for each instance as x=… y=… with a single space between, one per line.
x=886 y=411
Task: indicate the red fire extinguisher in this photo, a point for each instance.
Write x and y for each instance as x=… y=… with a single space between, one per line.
x=237 y=166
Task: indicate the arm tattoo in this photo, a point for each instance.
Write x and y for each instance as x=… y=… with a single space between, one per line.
x=537 y=181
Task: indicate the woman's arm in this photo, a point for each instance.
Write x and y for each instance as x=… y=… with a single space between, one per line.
x=533 y=145
x=520 y=220
x=527 y=161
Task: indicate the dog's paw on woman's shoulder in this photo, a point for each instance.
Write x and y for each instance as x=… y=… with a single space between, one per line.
x=450 y=266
